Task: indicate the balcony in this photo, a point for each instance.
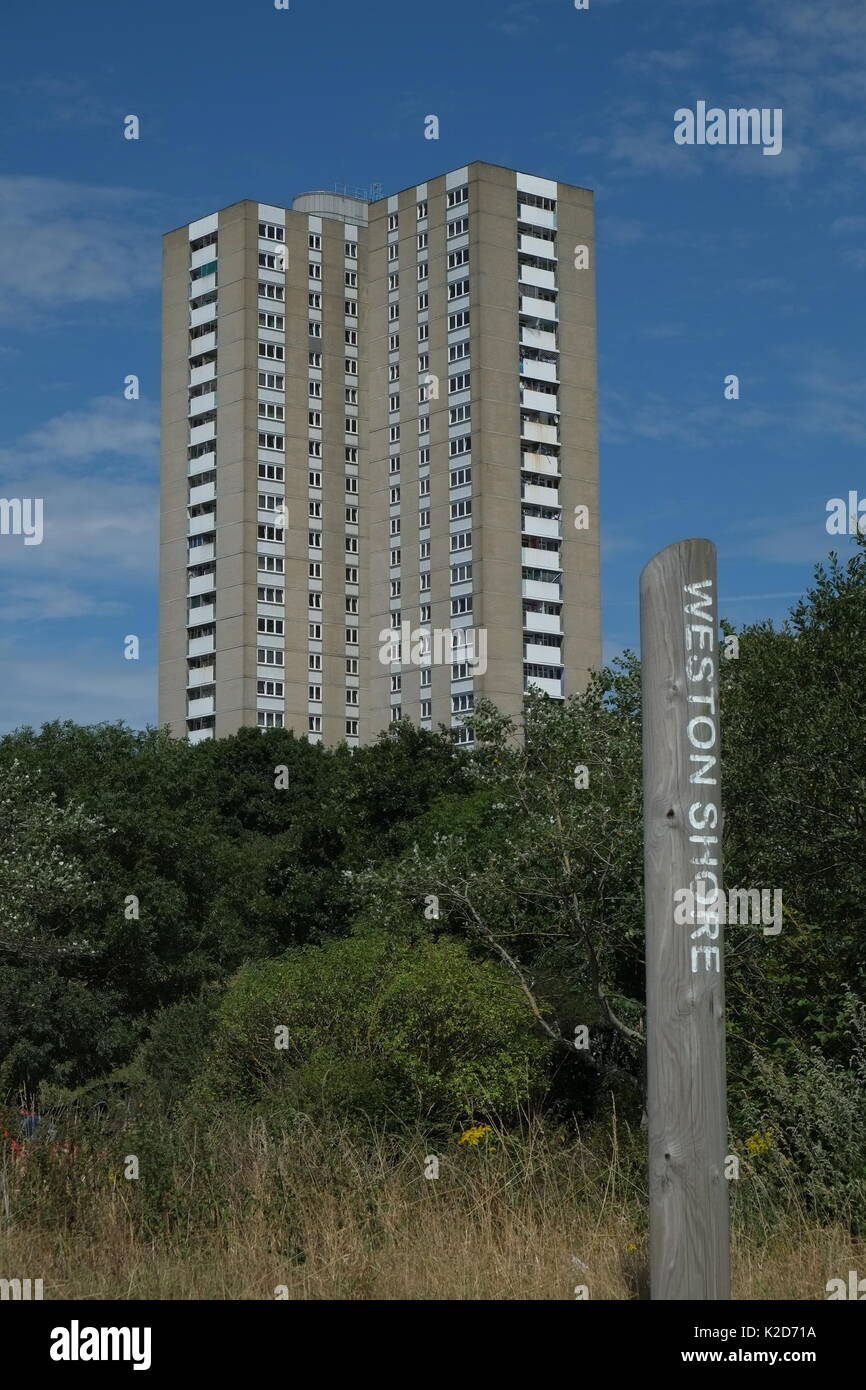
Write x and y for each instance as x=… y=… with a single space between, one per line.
x=541 y=496
x=196 y=708
x=549 y=687
x=539 y=371
x=203 y=314
x=538 y=338
x=199 y=735
x=200 y=433
x=202 y=286
x=199 y=554
x=541 y=279
x=199 y=646
x=199 y=375
x=201 y=463
x=537 y=217
x=205 y=492
x=542 y=656
x=542 y=526
x=540 y=559
x=197 y=524
x=200 y=584
x=203 y=613
x=540 y=463
x=541 y=434
x=198 y=405
x=537 y=589
x=539 y=308
x=206 y=343
x=202 y=256
x=537 y=246
x=200 y=675
x=541 y=622
x=542 y=401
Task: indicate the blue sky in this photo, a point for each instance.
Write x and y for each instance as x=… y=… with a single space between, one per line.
x=711 y=260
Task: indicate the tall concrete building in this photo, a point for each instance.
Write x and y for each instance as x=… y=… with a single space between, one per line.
x=379 y=458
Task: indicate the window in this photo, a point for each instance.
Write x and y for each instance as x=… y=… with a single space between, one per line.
x=351 y=307
x=458 y=350
x=351 y=604
x=395 y=588
x=350 y=366
x=314 y=299
x=458 y=226
x=461 y=574
x=351 y=249
x=460 y=257
x=271 y=232
x=201 y=242
x=268 y=261
x=314 y=599
x=314 y=693
x=392 y=221
x=351 y=484
x=351 y=424
x=314 y=359
x=315 y=634
x=269 y=291
x=459 y=414
x=394 y=280
x=352 y=546
x=273 y=564
x=458 y=195
x=458 y=382
x=459 y=477
x=394 y=463
x=422 y=241
x=276 y=321
x=202 y=271
x=351 y=453
x=424 y=456
x=426 y=706
x=396 y=684
x=393 y=251
x=424 y=550
x=423 y=361
x=457 y=288
x=273 y=381
x=269 y=533
x=351 y=666
x=423 y=332
x=351 y=336
x=425 y=676
x=314 y=661
x=461 y=445
x=314 y=419
x=270 y=656
x=394 y=342
x=394 y=525
x=424 y=582
x=463 y=604
x=314 y=269
x=423 y=270
x=314 y=329
x=315 y=509
x=461 y=540
x=314 y=448
x=269 y=719
x=352 y=636
x=421 y=208
x=393 y=312
x=424 y=517
x=351 y=728
x=423 y=302
x=272 y=472
x=315 y=723
x=269 y=501
x=351 y=574
x=315 y=241
x=423 y=424
x=314 y=540
x=393 y=495
x=272 y=441
x=273 y=689
x=269 y=411
x=351 y=695
x=395 y=558
x=275 y=350
x=394 y=401
x=314 y=569
x=459 y=320
x=274 y=627
x=396 y=714
x=314 y=479
x=394 y=433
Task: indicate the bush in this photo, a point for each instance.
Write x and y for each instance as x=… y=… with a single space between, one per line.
x=389 y=1027
x=178 y=1043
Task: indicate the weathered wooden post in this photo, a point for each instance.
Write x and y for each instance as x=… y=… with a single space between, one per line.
x=686 y=1095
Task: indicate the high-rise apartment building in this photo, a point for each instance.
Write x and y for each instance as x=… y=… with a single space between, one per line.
x=379 y=458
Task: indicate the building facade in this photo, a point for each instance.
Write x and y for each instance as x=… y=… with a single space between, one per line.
x=379 y=494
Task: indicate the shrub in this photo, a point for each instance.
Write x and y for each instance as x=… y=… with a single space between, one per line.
x=390 y=1027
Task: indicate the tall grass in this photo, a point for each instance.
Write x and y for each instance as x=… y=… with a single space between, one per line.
x=225 y=1208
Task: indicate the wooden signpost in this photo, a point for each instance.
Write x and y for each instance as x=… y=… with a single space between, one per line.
x=686 y=1097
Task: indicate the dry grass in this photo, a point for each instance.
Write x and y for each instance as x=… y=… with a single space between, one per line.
x=337 y=1217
